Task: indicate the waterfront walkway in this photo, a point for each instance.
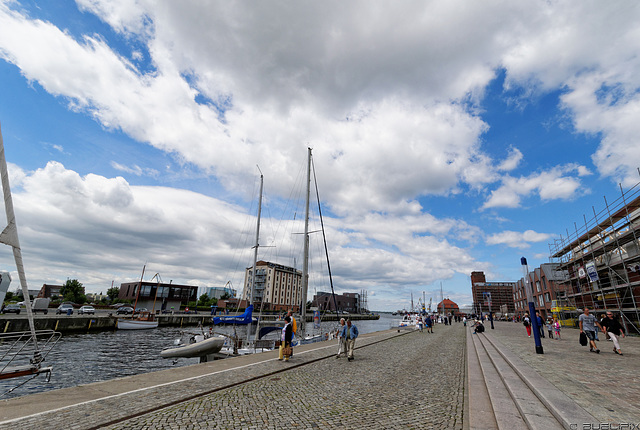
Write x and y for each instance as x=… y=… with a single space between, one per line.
x=451 y=379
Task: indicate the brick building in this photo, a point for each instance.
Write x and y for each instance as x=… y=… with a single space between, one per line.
x=496 y=297
x=602 y=261
x=546 y=283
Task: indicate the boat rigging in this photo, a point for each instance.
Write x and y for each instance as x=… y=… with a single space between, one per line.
x=21 y=354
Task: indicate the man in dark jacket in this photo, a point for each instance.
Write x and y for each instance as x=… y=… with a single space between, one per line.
x=540 y=324
x=612 y=327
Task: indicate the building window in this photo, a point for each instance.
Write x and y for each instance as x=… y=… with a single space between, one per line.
x=538 y=286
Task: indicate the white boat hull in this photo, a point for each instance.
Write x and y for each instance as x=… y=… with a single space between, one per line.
x=125 y=324
x=197 y=349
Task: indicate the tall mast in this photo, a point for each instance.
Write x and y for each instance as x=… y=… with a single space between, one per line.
x=9 y=236
x=255 y=248
x=135 y=305
x=442 y=297
x=305 y=264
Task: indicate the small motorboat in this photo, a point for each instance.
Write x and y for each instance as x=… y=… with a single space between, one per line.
x=196 y=346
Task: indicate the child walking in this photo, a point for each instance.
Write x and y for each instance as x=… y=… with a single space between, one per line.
x=556 y=328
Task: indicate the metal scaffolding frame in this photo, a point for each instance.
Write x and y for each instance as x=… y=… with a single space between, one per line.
x=602 y=260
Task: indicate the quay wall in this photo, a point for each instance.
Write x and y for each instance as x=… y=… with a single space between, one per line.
x=91 y=323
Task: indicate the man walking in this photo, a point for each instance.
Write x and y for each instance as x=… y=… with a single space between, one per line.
x=588 y=325
x=429 y=323
x=350 y=333
x=540 y=324
x=613 y=328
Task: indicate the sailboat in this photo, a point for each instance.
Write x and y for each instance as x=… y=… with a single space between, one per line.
x=21 y=354
x=242 y=319
x=143 y=320
x=237 y=346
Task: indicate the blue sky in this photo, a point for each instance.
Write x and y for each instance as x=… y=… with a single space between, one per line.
x=448 y=137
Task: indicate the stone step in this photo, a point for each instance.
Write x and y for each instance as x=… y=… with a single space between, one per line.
x=565 y=410
x=505 y=410
x=531 y=409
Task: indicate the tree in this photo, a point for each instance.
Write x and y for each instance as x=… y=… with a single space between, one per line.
x=9 y=296
x=225 y=296
x=204 y=300
x=73 y=291
x=113 y=293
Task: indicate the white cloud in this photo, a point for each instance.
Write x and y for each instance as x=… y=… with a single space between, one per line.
x=556 y=183
x=512 y=161
x=100 y=229
x=135 y=170
x=514 y=239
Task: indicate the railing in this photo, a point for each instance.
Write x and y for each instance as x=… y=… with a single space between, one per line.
x=18 y=353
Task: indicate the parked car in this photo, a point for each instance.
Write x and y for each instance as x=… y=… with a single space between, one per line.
x=126 y=310
x=142 y=310
x=11 y=309
x=65 y=308
x=89 y=310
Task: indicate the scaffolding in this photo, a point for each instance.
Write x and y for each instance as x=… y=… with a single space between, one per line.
x=602 y=259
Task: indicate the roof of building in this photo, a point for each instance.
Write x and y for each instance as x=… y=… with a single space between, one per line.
x=448 y=304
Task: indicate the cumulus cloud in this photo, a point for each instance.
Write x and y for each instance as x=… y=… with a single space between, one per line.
x=100 y=229
x=515 y=239
x=319 y=82
x=512 y=161
x=556 y=183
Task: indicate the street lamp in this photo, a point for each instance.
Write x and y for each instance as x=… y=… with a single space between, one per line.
x=532 y=308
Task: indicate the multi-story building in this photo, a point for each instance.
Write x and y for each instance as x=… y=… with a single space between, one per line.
x=158 y=296
x=276 y=287
x=602 y=260
x=491 y=296
x=347 y=302
x=547 y=286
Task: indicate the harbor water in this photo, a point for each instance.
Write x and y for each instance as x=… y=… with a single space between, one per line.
x=86 y=358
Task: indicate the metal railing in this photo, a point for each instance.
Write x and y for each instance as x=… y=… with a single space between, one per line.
x=18 y=353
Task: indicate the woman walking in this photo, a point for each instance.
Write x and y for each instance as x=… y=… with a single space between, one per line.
x=527 y=324
x=285 y=340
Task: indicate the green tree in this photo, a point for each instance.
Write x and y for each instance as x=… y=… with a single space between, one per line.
x=113 y=293
x=9 y=296
x=204 y=300
x=72 y=291
x=225 y=296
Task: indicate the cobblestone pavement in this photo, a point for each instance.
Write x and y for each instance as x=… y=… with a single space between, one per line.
x=412 y=381
x=606 y=385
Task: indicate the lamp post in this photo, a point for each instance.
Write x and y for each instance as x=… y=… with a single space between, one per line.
x=532 y=308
